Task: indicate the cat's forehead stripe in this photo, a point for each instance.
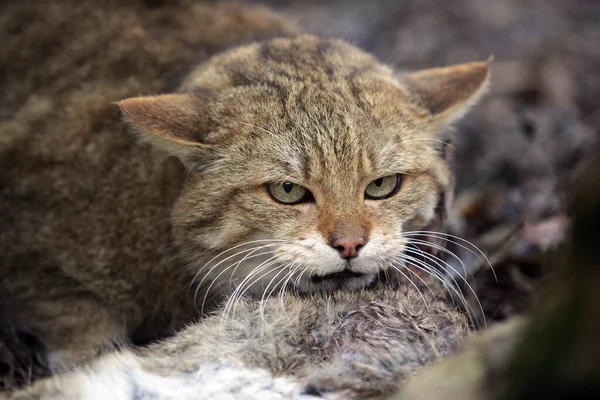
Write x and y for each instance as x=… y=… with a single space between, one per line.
x=323 y=110
x=323 y=161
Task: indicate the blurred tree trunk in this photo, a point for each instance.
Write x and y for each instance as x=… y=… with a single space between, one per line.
x=553 y=355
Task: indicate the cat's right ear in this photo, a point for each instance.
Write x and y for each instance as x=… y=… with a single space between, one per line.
x=178 y=123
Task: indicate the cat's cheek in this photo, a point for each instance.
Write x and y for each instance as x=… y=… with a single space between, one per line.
x=421 y=219
x=296 y=224
x=377 y=213
x=384 y=215
x=415 y=205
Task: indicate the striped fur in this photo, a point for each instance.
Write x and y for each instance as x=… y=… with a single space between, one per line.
x=102 y=235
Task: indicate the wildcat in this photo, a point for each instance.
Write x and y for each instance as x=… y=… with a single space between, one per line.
x=298 y=163
x=371 y=343
x=364 y=344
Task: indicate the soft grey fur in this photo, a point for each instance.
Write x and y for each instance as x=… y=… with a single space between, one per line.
x=343 y=345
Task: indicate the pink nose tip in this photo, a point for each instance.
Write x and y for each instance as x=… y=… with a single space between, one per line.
x=348 y=248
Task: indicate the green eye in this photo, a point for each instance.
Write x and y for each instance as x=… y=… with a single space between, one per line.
x=287 y=192
x=383 y=188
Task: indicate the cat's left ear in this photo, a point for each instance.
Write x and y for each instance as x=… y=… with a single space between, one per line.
x=449 y=92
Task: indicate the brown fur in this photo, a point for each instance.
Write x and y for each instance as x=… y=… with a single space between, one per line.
x=84 y=233
x=316 y=112
x=102 y=234
x=341 y=346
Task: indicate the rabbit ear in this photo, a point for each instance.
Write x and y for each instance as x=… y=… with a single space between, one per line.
x=449 y=92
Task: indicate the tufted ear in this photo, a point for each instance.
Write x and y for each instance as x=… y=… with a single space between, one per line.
x=449 y=92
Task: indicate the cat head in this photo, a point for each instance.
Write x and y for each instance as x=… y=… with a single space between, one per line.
x=309 y=162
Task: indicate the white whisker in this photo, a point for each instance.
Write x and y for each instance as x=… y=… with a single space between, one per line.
x=412 y=283
x=451 y=287
x=429 y=271
x=476 y=251
x=433 y=258
x=421 y=265
x=282 y=290
x=240 y=290
x=415 y=274
x=265 y=296
x=257 y=269
x=273 y=241
x=245 y=285
x=224 y=270
x=415 y=242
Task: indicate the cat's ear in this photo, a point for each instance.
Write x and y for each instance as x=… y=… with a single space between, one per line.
x=173 y=117
x=449 y=92
x=177 y=123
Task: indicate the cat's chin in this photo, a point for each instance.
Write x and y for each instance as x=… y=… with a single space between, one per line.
x=343 y=280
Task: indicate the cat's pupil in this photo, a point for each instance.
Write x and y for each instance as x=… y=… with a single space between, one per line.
x=288 y=186
x=378 y=182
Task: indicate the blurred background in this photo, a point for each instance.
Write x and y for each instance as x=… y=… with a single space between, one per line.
x=519 y=151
